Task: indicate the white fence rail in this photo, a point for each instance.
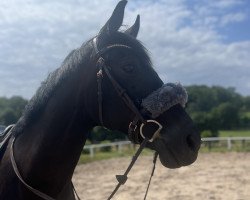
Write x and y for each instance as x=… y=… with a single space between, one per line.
x=228 y=140
x=119 y=145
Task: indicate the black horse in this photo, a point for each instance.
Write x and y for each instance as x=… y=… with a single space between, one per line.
x=105 y=81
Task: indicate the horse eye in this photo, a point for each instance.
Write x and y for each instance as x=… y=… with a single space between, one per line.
x=128 y=68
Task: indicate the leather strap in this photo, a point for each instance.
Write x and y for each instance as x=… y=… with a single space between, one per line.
x=123 y=178
x=33 y=190
x=152 y=174
x=99 y=91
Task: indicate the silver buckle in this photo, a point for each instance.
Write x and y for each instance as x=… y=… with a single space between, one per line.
x=157 y=132
x=132 y=126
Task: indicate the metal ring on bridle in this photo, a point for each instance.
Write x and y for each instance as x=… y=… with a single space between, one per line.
x=156 y=133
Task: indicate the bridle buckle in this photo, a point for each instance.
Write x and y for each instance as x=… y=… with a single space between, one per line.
x=132 y=127
x=156 y=133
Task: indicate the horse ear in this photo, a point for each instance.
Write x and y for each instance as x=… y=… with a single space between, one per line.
x=133 y=30
x=115 y=21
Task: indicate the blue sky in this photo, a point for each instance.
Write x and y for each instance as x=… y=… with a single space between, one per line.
x=190 y=41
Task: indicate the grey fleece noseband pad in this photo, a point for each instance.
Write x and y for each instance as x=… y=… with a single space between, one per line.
x=164 y=98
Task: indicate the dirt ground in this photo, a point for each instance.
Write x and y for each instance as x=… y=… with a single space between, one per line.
x=213 y=176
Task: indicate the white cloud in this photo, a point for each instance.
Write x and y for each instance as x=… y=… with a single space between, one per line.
x=223 y=4
x=232 y=17
x=195 y=54
x=36 y=35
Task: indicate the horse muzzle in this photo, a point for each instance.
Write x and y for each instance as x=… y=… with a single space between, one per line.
x=177 y=141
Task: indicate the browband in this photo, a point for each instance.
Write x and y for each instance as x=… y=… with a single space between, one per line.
x=107 y=48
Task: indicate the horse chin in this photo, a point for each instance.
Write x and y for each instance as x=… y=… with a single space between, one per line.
x=172 y=162
x=169 y=162
x=169 y=157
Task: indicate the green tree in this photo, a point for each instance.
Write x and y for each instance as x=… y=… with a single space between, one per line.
x=17 y=103
x=227 y=115
x=214 y=108
x=11 y=109
x=7 y=117
x=100 y=133
x=246 y=104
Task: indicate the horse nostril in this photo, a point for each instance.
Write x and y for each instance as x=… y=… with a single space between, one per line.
x=191 y=143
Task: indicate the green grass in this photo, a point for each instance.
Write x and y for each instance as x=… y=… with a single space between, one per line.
x=235 y=133
x=99 y=155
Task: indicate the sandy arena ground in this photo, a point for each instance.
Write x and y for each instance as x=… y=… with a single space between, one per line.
x=213 y=176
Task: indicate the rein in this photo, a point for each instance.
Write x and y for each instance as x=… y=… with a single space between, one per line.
x=33 y=190
x=14 y=165
x=123 y=178
x=120 y=178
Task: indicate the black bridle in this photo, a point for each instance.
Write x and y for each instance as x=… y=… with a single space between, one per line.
x=139 y=119
x=133 y=136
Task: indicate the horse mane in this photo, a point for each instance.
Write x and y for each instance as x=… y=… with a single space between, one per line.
x=54 y=80
x=70 y=65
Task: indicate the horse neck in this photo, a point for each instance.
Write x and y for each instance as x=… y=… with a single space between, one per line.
x=48 y=150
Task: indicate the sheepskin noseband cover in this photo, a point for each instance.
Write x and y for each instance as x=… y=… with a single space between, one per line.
x=164 y=98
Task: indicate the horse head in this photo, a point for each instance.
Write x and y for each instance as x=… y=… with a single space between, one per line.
x=131 y=96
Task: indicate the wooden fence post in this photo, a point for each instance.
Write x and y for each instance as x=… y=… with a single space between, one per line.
x=119 y=147
x=229 y=144
x=91 y=151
